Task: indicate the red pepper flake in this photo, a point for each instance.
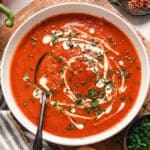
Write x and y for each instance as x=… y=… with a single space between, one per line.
x=138 y=4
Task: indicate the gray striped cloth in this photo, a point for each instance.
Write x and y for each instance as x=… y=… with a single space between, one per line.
x=10 y=137
x=15 y=137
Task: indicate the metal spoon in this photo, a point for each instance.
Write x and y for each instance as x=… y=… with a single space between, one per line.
x=133 y=11
x=37 y=145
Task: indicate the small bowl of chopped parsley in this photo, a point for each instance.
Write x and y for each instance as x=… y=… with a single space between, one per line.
x=138 y=134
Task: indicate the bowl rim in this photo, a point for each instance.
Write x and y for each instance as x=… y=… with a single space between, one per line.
x=62 y=140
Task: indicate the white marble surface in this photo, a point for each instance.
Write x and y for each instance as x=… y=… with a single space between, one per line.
x=142 y=23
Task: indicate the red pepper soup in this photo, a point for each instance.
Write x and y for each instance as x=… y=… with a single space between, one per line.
x=88 y=67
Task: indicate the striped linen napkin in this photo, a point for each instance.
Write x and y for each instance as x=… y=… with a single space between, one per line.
x=15 y=137
x=10 y=137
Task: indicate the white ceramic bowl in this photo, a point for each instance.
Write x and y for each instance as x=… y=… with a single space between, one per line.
x=69 y=8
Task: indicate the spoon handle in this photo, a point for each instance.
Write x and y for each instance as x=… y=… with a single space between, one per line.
x=37 y=145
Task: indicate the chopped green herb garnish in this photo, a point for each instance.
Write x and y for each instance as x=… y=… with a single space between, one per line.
x=91 y=61
x=138 y=137
x=102 y=93
x=88 y=109
x=123 y=97
x=54 y=41
x=126 y=74
x=111 y=40
x=60 y=34
x=30 y=55
x=119 y=76
x=26 y=77
x=33 y=43
x=55 y=103
x=55 y=37
x=61 y=71
x=123 y=68
x=94 y=42
x=69 y=44
x=83 y=82
x=70 y=127
x=126 y=52
x=78 y=46
x=60 y=59
x=25 y=104
x=32 y=100
x=133 y=59
x=95 y=105
x=49 y=92
x=33 y=38
x=79 y=101
x=106 y=81
x=79 y=94
x=62 y=110
x=111 y=72
x=95 y=70
x=27 y=84
x=73 y=35
x=65 y=65
x=98 y=112
x=138 y=68
x=76 y=85
x=93 y=93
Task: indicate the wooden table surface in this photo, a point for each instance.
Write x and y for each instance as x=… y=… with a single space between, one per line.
x=114 y=143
